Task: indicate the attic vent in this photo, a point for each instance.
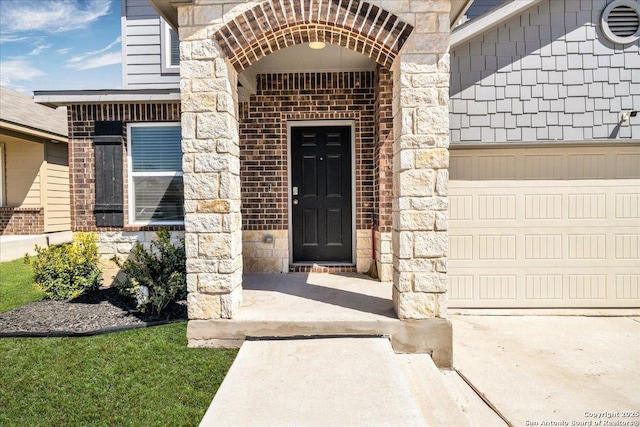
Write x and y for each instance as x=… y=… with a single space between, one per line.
x=621 y=21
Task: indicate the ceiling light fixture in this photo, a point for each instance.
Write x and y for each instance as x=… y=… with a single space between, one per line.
x=317 y=45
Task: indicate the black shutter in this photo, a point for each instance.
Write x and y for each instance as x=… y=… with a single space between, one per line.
x=107 y=144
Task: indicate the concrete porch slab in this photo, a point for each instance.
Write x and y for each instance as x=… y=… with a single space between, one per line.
x=317 y=304
x=315 y=382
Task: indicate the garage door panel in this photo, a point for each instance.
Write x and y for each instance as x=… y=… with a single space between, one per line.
x=544 y=287
x=530 y=239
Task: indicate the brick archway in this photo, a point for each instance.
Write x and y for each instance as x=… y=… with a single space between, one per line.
x=274 y=25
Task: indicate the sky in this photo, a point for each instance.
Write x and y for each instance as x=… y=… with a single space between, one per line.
x=60 y=45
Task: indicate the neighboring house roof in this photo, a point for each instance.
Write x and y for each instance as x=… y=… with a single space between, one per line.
x=66 y=97
x=169 y=11
x=20 y=112
x=489 y=20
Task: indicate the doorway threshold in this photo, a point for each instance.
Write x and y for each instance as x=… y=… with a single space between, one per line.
x=322 y=267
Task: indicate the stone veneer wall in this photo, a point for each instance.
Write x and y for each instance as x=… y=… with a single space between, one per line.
x=17 y=221
x=222 y=38
x=119 y=244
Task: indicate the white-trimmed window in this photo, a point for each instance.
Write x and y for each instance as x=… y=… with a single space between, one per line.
x=170 y=49
x=154 y=157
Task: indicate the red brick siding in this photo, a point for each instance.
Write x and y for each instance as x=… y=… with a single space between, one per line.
x=20 y=221
x=263 y=138
x=81 y=155
x=384 y=148
x=274 y=25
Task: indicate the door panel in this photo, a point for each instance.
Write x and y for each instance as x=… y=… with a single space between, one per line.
x=321 y=209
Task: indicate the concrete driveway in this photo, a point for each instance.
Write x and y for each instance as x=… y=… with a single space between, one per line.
x=553 y=370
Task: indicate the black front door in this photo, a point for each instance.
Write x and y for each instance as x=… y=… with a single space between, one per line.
x=321 y=193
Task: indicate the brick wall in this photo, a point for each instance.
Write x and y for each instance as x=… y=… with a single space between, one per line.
x=81 y=154
x=20 y=221
x=383 y=163
x=263 y=138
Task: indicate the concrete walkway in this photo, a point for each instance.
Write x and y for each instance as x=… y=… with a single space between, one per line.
x=342 y=382
x=530 y=370
x=15 y=247
x=315 y=382
x=535 y=369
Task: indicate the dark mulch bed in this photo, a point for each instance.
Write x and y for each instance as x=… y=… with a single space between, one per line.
x=99 y=310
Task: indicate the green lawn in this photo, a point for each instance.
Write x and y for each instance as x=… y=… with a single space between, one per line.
x=16 y=285
x=143 y=377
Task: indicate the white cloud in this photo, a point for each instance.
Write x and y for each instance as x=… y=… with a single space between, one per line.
x=63 y=51
x=39 y=48
x=6 y=38
x=52 y=16
x=85 y=55
x=17 y=69
x=98 y=61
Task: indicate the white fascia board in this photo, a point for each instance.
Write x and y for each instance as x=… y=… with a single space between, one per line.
x=58 y=98
x=490 y=20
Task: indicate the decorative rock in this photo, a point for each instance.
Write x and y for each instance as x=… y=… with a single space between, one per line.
x=200 y=186
x=437 y=158
x=430 y=282
x=431 y=244
x=402 y=281
x=216 y=283
x=415 y=305
x=217 y=245
x=214 y=206
x=201 y=306
x=216 y=125
x=442 y=182
x=229 y=186
x=416 y=182
x=416 y=220
x=230 y=303
x=216 y=162
x=433 y=120
x=442 y=221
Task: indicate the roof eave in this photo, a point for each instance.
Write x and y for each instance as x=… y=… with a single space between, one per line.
x=58 y=98
x=17 y=127
x=458 y=9
x=168 y=9
x=489 y=20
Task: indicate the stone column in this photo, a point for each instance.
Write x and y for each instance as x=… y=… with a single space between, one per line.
x=211 y=166
x=420 y=167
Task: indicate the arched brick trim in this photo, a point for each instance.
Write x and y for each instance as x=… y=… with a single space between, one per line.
x=276 y=24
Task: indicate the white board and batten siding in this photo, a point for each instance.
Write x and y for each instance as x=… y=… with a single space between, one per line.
x=545 y=227
x=141 y=28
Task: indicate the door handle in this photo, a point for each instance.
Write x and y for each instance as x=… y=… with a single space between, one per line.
x=295 y=201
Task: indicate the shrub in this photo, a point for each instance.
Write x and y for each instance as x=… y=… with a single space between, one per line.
x=67 y=271
x=155 y=276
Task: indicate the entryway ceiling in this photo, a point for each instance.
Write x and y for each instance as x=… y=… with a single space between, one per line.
x=301 y=58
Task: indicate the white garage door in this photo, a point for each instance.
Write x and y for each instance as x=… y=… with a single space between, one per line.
x=545 y=227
